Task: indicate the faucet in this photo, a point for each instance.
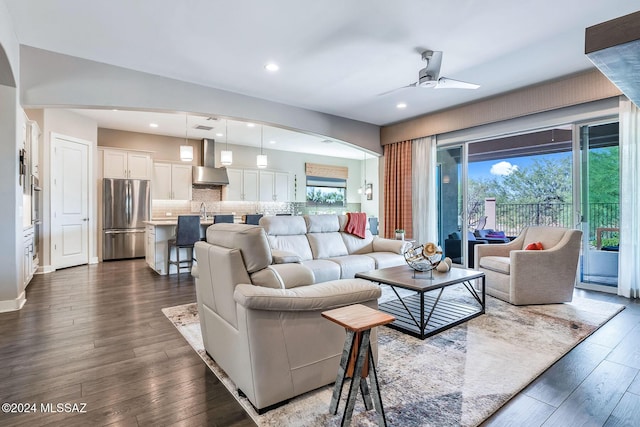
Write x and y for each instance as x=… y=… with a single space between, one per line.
x=203 y=211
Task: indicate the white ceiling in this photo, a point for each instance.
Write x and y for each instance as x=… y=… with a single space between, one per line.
x=223 y=131
x=335 y=56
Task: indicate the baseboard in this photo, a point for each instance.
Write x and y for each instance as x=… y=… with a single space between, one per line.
x=44 y=269
x=13 y=305
x=94 y=260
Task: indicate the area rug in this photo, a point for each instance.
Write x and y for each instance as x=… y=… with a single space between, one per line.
x=458 y=377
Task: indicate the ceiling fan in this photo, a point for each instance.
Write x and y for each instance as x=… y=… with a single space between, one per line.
x=429 y=76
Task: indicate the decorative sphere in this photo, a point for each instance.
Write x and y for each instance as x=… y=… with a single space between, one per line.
x=423 y=257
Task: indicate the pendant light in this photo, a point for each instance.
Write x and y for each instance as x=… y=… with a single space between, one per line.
x=186 y=150
x=261 y=159
x=226 y=156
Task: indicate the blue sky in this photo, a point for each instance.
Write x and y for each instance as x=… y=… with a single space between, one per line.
x=482 y=170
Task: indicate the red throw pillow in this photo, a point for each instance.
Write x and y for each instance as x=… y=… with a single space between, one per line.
x=535 y=246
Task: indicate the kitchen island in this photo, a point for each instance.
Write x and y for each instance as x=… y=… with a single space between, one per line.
x=158 y=232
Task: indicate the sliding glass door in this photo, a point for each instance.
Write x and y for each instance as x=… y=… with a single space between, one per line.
x=452 y=222
x=599 y=204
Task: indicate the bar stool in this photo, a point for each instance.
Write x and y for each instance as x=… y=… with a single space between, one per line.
x=223 y=218
x=187 y=233
x=252 y=219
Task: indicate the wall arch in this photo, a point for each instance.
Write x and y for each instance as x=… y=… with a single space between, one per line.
x=6 y=73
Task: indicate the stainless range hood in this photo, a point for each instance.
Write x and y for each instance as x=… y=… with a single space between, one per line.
x=207 y=173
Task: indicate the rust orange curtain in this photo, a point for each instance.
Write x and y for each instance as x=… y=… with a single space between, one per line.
x=397 y=188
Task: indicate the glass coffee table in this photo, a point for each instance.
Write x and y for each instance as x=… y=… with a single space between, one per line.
x=429 y=310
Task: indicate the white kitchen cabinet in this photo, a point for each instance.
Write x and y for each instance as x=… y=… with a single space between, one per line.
x=150 y=246
x=34 y=143
x=127 y=164
x=171 y=181
x=243 y=185
x=274 y=186
x=27 y=265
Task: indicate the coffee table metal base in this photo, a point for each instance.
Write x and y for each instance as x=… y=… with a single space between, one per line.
x=422 y=315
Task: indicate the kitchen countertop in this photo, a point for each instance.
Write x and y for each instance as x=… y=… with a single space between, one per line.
x=174 y=221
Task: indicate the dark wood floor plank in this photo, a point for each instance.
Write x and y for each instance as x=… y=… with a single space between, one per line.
x=635 y=385
x=563 y=377
x=521 y=411
x=594 y=400
x=628 y=351
x=627 y=413
x=96 y=334
x=614 y=331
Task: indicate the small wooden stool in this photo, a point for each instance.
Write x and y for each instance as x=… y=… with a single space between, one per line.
x=357 y=359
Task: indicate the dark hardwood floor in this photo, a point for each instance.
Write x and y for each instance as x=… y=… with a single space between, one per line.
x=595 y=384
x=95 y=335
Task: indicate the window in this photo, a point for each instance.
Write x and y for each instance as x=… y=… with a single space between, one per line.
x=323 y=191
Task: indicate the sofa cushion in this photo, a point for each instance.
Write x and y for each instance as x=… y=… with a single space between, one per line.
x=251 y=240
x=323 y=269
x=500 y=264
x=284 y=257
x=283 y=225
x=322 y=223
x=283 y=276
x=298 y=245
x=352 y=264
x=267 y=278
x=386 y=259
x=327 y=245
x=356 y=245
x=390 y=245
x=342 y=221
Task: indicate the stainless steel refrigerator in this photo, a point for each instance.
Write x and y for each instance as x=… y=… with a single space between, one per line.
x=126 y=206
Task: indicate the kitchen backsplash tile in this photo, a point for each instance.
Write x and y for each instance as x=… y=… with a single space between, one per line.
x=214 y=205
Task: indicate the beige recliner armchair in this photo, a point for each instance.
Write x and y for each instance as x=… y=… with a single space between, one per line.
x=269 y=338
x=521 y=276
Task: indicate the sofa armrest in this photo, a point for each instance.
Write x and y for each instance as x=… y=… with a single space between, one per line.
x=284 y=257
x=390 y=245
x=321 y=296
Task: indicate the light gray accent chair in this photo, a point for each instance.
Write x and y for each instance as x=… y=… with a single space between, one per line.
x=261 y=321
x=523 y=277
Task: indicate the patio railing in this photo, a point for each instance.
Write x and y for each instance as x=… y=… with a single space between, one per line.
x=513 y=217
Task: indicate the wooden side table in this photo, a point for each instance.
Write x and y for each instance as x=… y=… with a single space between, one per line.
x=357 y=358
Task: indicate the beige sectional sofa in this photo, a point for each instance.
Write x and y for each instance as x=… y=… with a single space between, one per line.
x=320 y=243
x=260 y=311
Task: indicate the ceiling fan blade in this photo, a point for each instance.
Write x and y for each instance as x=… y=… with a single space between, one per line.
x=397 y=89
x=447 y=83
x=434 y=62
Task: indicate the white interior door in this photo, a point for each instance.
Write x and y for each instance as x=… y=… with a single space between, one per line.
x=69 y=202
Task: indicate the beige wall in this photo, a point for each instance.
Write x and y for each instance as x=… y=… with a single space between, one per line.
x=164 y=148
x=571 y=90
x=11 y=231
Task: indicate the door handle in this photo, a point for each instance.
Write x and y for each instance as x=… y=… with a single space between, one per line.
x=85 y=219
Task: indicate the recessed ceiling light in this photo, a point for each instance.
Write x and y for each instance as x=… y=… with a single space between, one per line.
x=326 y=141
x=271 y=66
x=272 y=142
x=251 y=125
x=401 y=105
x=219 y=134
x=153 y=125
